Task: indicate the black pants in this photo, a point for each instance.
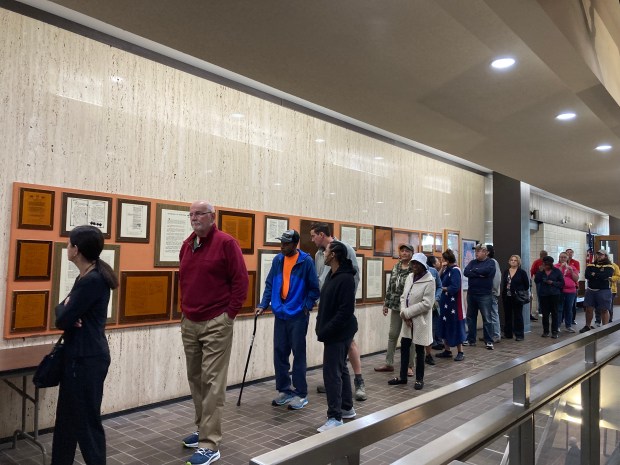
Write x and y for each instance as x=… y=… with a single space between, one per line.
x=513 y=317
x=336 y=378
x=405 y=346
x=78 y=414
x=549 y=304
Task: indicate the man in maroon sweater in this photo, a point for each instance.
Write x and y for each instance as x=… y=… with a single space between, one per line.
x=214 y=284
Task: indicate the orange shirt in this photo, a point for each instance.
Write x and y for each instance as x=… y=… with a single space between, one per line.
x=289 y=262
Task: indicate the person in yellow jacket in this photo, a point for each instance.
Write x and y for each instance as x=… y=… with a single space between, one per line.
x=614 y=289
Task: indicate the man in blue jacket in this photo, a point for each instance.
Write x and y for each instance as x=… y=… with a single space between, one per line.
x=480 y=273
x=292 y=289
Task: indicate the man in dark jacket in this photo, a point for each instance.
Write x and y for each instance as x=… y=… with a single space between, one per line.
x=480 y=273
x=292 y=289
x=598 y=294
x=335 y=327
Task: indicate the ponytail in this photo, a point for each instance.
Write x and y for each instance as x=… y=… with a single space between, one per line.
x=108 y=273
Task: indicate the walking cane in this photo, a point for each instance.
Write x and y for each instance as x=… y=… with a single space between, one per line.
x=247 y=363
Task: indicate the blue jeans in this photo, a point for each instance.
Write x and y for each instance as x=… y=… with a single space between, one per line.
x=565 y=311
x=484 y=303
x=290 y=335
x=495 y=318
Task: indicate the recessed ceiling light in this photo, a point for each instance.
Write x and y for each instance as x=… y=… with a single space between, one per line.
x=332 y=193
x=503 y=63
x=320 y=141
x=237 y=115
x=603 y=147
x=209 y=171
x=446 y=214
x=418 y=209
x=378 y=158
x=277 y=183
x=380 y=201
x=566 y=116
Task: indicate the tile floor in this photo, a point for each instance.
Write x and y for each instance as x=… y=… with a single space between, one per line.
x=153 y=435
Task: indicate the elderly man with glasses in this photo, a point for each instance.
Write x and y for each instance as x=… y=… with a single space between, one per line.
x=214 y=284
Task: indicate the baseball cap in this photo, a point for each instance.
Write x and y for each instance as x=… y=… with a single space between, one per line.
x=481 y=247
x=406 y=246
x=289 y=236
x=602 y=251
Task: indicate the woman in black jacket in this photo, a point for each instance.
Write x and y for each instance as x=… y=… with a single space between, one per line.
x=551 y=283
x=514 y=279
x=335 y=327
x=82 y=315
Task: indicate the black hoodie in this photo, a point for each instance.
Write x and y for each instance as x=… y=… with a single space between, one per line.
x=335 y=321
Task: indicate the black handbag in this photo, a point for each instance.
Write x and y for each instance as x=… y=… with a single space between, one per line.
x=523 y=297
x=49 y=371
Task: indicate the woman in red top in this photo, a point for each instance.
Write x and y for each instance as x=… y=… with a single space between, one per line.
x=569 y=293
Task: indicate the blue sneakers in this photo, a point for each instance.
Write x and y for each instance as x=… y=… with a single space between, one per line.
x=282 y=399
x=297 y=403
x=191 y=440
x=203 y=457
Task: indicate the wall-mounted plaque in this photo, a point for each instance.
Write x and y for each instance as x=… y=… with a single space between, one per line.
x=265 y=259
x=240 y=226
x=133 y=221
x=65 y=273
x=80 y=209
x=177 y=312
x=274 y=227
x=348 y=235
x=400 y=237
x=366 y=238
x=383 y=242
x=29 y=311
x=36 y=209
x=414 y=240
x=145 y=296
x=428 y=242
x=374 y=280
x=468 y=255
x=172 y=227
x=250 y=301
x=359 y=294
x=439 y=243
x=33 y=260
x=453 y=242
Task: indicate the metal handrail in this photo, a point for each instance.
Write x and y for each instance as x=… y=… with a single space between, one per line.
x=349 y=439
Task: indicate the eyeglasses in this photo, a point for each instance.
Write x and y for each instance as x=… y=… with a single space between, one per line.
x=198 y=214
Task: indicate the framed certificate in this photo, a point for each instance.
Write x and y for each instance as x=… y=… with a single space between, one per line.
x=265 y=260
x=387 y=275
x=453 y=242
x=65 y=273
x=250 y=301
x=133 y=221
x=400 y=237
x=240 y=226
x=383 y=242
x=33 y=260
x=467 y=256
x=374 y=280
x=172 y=227
x=366 y=238
x=145 y=296
x=414 y=240
x=29 y=311
x=439 y=243
x=348 y=235
x=80 y=209
x=359 y=294
x=274 y=227
x=36 y=209
x=428 y=242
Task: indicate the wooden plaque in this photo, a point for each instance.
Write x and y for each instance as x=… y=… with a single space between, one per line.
x=250 y=301
x=383 y=242
x=145 y=296
x=177 y=312
x=29 y=311
x=401 y=237
x=36 y=209
x=240 y=226
x=33 y=260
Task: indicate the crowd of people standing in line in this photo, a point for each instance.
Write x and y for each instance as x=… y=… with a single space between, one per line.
x=424 y=300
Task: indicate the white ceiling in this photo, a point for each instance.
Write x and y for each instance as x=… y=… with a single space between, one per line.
x=420 y=69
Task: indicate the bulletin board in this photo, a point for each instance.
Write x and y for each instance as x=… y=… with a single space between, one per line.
x=143 y=238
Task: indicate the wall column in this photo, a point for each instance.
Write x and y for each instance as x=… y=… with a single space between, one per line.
x=511 y=225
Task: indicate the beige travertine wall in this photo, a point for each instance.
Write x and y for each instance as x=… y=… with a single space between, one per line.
x=77 y=113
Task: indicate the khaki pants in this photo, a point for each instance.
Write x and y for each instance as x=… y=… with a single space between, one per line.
x=208 y=346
